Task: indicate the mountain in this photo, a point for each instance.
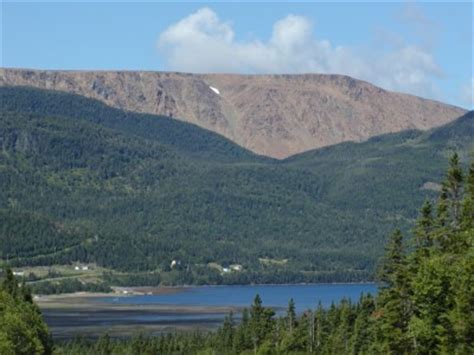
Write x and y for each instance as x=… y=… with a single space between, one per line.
x=272 y=115
x=185 y=138
x=82 y=181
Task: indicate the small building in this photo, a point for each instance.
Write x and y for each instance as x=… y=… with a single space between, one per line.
x=175 y=263
x=77 y=268
x=85 y=268
x=18 y=273
x=236 y=267
x=225 y=270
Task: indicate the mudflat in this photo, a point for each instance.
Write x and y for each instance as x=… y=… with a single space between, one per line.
x=93 y=314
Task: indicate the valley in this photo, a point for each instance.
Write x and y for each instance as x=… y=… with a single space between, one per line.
x=236 y=178
x=90 y=184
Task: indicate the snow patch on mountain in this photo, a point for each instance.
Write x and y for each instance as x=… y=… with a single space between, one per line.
x=215 y=90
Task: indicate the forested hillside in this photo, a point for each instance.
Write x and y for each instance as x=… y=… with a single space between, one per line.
x=132 y=192
x=425 y=304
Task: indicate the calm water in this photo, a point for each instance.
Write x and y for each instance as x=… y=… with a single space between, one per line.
x=305 y=296
x=69 y=323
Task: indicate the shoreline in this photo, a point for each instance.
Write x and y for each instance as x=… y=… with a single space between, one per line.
x=91 y=314
x=102 y=300
x=126 y=291
x=93 y=303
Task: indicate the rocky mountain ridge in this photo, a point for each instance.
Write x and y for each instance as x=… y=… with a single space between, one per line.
x=273 y=115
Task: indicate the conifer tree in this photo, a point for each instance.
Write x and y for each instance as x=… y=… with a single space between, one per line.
x=344 y=328
x=362 y=336
x=291 y=315
x=394 y=299
x=22 y=330
x=424 y=227
x=320 y=327
x=454 y=181
x=423 y=238
x=394 y=262
x=256 y=320
x=300 y=335
x=226 y=333
x=242 y=338
x=442 y=231
x=261 y=322
x=467 y=218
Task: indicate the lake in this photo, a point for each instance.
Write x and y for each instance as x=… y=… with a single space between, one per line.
x=277 y=296
x=200 y=307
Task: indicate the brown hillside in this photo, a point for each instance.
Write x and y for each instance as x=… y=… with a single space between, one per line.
x=274 y=115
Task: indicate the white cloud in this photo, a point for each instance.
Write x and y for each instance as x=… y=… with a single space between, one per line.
x=467 y=93
x=201 y=42
x=426 y=29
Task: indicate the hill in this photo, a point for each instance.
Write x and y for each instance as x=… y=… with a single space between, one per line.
x=273 y=115
x=132 y=192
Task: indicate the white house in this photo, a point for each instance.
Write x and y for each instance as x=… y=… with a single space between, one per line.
x=236 y=267
x=175 y=263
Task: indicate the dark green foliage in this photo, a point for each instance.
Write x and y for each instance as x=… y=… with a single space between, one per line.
x=260 y=323
x=22 y=331
x=183 y=137
x=362 y=334
x=291 y=316
x=454 y=186
x=84 y=182
x=467 y=219
x=423 y=232
x=394 y=298
x=427 y=309
x=67 y=286
x=25 y=235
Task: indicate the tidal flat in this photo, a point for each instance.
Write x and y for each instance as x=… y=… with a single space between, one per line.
x=128 y=311
x=90 y=315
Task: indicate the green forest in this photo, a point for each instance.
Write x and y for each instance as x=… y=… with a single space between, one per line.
x=425 y=303
x=85 y=183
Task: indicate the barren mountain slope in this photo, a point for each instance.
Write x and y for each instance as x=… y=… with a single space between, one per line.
x=274 y=115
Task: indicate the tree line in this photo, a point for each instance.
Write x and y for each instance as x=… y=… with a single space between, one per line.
x=425 y=304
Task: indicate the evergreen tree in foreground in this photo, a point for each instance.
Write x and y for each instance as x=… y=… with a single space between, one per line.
x=22 y=330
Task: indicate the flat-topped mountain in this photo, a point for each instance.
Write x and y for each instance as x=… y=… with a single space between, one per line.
x=273 y=115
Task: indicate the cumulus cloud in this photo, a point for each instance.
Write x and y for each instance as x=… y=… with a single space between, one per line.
x=202 y=42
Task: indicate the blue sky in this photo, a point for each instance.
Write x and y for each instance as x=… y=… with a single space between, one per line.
x=419 y=48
